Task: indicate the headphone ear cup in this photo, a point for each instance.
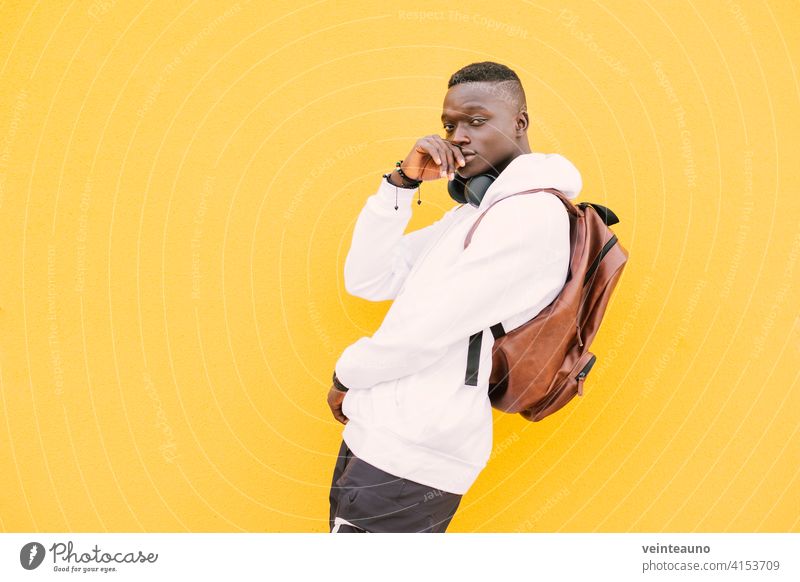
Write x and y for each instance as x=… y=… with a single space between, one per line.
x=455 y=188
x=476 y=188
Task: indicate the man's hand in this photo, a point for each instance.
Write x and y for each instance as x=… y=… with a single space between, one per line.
x=335 y=398
x=431 y=158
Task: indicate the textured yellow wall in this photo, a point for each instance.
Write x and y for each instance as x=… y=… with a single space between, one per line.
x=178 y=188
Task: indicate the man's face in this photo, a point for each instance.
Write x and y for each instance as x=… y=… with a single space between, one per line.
x=481 y=118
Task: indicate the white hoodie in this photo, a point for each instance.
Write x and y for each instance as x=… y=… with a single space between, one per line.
x=410 y=410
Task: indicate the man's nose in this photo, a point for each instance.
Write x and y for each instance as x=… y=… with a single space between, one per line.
x=460 y=135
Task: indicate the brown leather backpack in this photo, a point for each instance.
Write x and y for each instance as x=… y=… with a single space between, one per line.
x=541 y=365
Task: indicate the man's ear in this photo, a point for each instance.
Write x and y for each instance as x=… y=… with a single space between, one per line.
x=522 y=122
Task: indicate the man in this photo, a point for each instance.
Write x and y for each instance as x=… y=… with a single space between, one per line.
x=418 y=429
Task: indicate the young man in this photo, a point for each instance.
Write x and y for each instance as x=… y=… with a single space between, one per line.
x=418 y=427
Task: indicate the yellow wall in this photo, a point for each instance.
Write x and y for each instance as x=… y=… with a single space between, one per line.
x=178 y=188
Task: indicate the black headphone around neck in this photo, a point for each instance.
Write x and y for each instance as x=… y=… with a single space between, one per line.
x=470 y=190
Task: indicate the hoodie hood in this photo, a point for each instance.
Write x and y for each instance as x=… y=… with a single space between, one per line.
x=535 y=170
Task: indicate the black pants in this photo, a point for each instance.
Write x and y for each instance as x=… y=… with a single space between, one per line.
x=372 y=500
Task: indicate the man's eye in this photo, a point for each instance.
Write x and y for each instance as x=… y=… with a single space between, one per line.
x=475 y=121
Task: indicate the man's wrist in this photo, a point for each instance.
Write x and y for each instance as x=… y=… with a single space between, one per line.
x=338 y=385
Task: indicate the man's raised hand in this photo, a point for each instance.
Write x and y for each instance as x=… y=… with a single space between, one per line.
x=431 y=158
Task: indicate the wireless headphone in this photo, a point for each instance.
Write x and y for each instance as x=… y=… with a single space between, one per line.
x=470 y=190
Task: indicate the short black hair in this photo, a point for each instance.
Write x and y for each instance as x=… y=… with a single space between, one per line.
x=491 y=72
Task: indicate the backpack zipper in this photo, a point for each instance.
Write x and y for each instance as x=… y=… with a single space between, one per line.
x=582 y=374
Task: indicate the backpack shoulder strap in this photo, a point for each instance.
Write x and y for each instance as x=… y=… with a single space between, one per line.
x=606 y=214
x=570 y=208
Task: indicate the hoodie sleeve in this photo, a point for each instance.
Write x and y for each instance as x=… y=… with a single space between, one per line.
x=380 y=256
x=517 y=260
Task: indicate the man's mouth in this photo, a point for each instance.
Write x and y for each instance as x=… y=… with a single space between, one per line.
x=468 y=155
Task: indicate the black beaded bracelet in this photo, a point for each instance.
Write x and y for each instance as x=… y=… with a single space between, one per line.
x=338 y=385
x=407 y=182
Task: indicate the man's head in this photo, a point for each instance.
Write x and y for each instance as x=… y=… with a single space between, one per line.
x=485 y=113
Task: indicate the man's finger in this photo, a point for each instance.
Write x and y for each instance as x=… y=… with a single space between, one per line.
x=451 y=162
x=459 y=155
x=432 y=150
x=338 y=415
x=442 y=153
